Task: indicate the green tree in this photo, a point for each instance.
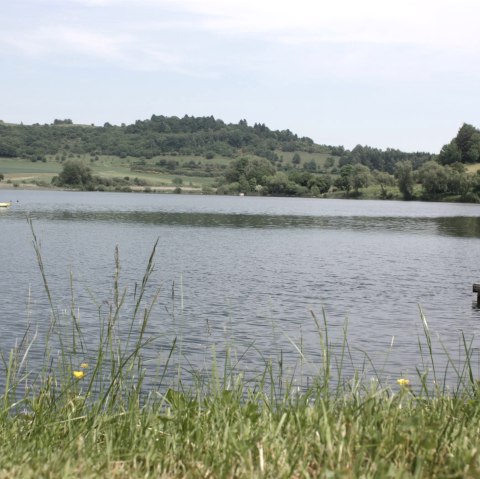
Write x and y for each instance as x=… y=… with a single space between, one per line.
x=67 y=121
x=473 y=153
x=296 y=159
x=344 y=181
x=7 y=151
x=310 y=166
x=465 y=139
x=75 y=173
x=465 y=147
x=450 y=154
x=244 y=184
x=360 y=177
x=280 y=184
x=404 y=175
x=329 y=162
x=458 y=182
x=434 y=179
x=302 y=178
x=320 y=182
x=384 y=179
x=250 y=169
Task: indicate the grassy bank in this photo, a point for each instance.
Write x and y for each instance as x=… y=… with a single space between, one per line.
x=89 y=415
x=362 y=433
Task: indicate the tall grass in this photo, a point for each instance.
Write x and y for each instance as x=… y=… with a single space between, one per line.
x=68 y=419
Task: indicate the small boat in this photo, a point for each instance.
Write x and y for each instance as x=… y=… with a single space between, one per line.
x=5 y=204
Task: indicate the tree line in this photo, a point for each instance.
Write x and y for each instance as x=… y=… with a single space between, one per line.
x=256 y=164
x=416 y=176
x=186 y=136
x=159 y=135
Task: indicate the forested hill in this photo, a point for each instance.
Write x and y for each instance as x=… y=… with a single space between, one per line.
x=160 y=135
x=148 y=138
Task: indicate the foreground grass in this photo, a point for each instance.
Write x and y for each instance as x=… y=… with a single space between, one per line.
x=73 y=419
x=224 y=435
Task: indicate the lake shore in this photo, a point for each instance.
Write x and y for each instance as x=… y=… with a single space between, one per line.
x=134 y=189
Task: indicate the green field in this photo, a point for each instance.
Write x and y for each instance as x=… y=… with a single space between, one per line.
x=25 y=172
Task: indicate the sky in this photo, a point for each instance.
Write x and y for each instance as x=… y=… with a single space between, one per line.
x=384 y=73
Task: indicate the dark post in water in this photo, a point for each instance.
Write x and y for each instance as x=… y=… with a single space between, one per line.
x=476 y=289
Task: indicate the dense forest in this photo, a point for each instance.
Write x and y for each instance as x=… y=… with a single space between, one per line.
x=254 y=159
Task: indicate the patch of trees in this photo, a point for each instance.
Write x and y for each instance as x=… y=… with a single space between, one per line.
x=67 y=121
x=440 y=181
x=260 y=176
x=464 y=148
x=432 y=181
x=382 y=160
x=75 y=174
x=353 y=177
x=7 y=151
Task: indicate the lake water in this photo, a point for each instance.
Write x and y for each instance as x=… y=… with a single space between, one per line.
x=247 y=273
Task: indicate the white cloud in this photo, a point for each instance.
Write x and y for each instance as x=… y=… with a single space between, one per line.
x=75 y=43
x=439 y=23
x=345 y=37
x=431 y=22
x=48 y=38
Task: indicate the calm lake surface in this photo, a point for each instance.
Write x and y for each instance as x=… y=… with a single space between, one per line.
x=247 y=273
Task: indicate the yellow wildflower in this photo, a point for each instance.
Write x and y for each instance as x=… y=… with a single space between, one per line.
x=403 y=382
x=78 y=374
x=84 y=365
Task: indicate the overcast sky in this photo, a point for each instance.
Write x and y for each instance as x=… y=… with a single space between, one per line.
x=385 y=73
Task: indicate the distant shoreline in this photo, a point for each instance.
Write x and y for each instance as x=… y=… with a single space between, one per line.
x=135 y=189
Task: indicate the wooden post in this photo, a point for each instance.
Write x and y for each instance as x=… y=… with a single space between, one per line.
x=476 y=289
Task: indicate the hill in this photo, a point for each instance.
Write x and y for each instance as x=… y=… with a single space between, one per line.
x=187 y=136
x=206 y=154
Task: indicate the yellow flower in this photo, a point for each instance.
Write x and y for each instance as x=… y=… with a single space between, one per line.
x=403 y=382
x=78 y=374
x=84 y=365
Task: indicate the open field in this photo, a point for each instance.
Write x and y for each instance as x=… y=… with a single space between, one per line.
x=473 y=168
x=25 y=173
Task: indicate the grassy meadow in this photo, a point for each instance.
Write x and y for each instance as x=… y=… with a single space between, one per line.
x=84 y=412
x=21 y=172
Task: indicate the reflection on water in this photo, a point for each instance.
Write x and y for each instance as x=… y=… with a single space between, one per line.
x=250 y=272
x=456 y=226
x=467 y=227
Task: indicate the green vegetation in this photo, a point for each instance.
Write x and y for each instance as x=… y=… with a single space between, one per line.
x=211 y=156
x=86 y=412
